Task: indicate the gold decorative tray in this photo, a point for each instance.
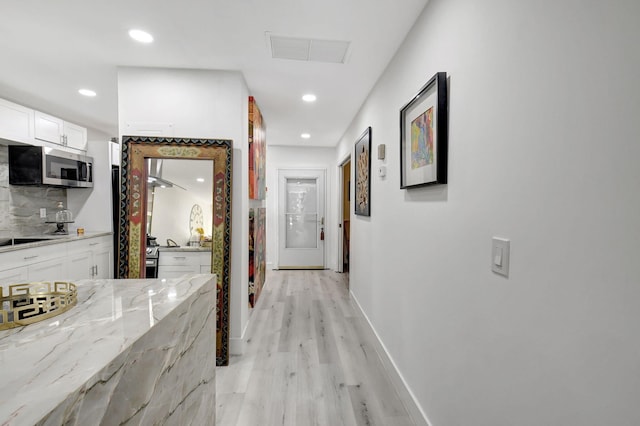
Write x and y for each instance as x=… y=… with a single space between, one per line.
x=32 y=302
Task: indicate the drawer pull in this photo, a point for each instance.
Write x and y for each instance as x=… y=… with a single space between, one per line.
x=179 y=257
x=94 y=244
x=30 y=257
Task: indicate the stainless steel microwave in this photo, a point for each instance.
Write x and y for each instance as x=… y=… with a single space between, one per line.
x=38 y=165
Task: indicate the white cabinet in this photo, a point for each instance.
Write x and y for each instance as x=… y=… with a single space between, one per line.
x=79 y=265
x=175 y=263
x=75 y=136
x=33 y=264
x=48 y=270
x=59 y=132
x=14 y=276
x=24 y=125
x=16 y=122
x=49 y=128
x=90 y=258
x=101 y=259
x=86 y=258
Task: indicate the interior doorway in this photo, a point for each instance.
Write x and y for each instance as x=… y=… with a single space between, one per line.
x=344 y=246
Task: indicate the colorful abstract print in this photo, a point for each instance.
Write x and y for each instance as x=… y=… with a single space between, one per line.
x=257 y=152
x=422 y=140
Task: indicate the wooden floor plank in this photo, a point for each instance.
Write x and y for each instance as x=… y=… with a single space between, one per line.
x=309 y=361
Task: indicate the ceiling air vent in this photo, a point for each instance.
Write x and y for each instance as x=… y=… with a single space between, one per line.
x=306 y=49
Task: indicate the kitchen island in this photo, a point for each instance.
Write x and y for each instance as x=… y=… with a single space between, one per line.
x=130 y=352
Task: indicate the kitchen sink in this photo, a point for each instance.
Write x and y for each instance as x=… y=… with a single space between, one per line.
x=21 y=240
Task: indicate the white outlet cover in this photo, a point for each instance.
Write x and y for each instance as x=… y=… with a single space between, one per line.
x=500 y=256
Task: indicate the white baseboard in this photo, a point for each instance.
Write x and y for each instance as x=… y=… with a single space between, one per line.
x=404 y=392
x=236 y=346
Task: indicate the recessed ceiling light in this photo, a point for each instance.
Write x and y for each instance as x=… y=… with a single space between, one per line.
x=87 y=92
x=163 y=186
x=305 y=136
x=200 y=179
x=141 y=36
x=309 y=97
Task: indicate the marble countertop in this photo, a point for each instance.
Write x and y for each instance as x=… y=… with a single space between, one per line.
x=43 y=363
x=48 y=239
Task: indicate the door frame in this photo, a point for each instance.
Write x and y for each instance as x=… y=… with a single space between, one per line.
x=340 y=203
x=276 y=264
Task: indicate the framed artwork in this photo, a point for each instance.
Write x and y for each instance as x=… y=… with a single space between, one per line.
x=424 y=135
x=363 y=174
x=257 y=152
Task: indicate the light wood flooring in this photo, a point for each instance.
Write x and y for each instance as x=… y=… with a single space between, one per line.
x=309 y=360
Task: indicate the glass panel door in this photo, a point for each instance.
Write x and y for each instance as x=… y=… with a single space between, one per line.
x=301 y=216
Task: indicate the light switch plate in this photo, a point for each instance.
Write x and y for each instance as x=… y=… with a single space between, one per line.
x=500 y=256
x=43 y=213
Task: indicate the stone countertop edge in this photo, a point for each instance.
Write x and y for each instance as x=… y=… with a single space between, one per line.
x=183 y=249
x=52 y=239
x=46 y=362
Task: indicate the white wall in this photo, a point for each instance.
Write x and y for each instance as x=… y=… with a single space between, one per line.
x=287 y=157
x=92 y=207
x=543 y=150
x=200 y=104
x=172 y=212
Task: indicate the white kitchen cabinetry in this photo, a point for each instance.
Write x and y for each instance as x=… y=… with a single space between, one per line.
x=32 y=264
x=59 y=132
x=86 y=258
x=90 y=258
x=16 y=122
x=79 y=265
x=75 y=136
x=102 y=260
x=173 y=264
x=47 y=270
x=14 y=275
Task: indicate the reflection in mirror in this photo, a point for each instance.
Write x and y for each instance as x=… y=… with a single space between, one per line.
x=174 y=187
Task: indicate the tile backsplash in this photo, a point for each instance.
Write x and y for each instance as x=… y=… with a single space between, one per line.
x=20 y=205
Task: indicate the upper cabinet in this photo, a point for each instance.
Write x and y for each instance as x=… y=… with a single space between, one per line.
x=16 y=122
x=56 y=131
x=75 y=136
x=48 y=128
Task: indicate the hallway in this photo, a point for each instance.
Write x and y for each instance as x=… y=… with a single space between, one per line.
x=310 y=359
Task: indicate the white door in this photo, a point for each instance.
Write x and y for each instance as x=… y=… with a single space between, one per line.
x=301 y=224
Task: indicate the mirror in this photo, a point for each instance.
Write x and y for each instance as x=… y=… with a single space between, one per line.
x=179 y=201
x=133 y=212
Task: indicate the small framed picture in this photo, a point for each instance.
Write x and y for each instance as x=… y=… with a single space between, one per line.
x=424 y=135
x=363 y=174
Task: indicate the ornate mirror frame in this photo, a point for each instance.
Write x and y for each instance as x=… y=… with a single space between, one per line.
x=133 y=206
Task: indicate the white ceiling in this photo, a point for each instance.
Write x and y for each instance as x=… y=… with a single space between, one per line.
x=50 y=49
x=185 y=172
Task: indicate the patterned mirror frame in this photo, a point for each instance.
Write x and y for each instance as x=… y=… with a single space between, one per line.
x=133 y=205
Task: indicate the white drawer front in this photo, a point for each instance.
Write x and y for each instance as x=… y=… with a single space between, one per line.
x=177 y=258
